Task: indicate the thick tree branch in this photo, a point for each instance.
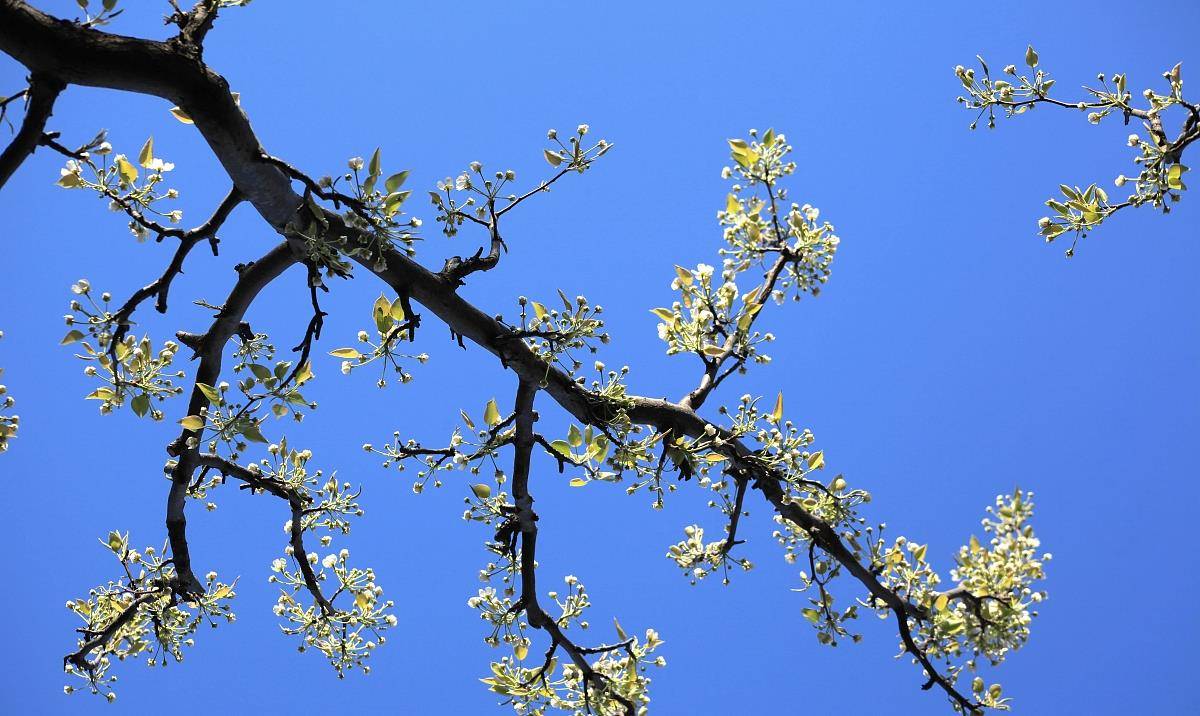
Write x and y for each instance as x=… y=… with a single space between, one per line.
x=88 y=57
x=209 y=349
x=43 y=91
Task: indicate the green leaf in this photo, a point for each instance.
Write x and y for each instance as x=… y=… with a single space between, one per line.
x=768 y=138
x=373 y=168
x=562 y=447
x=346 y=353
x=146 y=156
x=574 y=437
x=101 y=394
x=213 y=395
x=1031 y=56
x=467 y=419
x=621 y=635
x=253 y=434
x=481 y=490
x=260 y=371
x=491 y=414
x=140 y=404
x=192 y=422
x=71 y=337
x=395 y=181
x=551 y=157
x=811 y=614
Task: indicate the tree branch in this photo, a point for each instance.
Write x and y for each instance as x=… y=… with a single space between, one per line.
x=43 y=91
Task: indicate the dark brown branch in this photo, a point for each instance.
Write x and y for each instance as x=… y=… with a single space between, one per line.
x=524 y=521
x=457 y=268
x=296 y=502
x=209 y=348
x=161 y=286
x=43 y=91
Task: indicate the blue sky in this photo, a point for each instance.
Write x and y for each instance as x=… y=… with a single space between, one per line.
x=953 y=355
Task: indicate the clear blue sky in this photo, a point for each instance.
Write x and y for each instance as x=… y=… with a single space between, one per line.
x=953 y=355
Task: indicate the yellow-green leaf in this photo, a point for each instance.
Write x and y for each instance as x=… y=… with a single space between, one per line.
x=685 y=276
x=125 y=168
x=101 y=394
x=940 y=603
x=811 y=614
x=731 y=204
x=491 y=414
x=346 y=353
x=816 y=461
x=664 y=314
x=397 y=310
x=213 y=395
x=1175 y=176
x=70 y=180
x=192 y=422
x=1031 y=56
x=578 y=482
x=305 y=373
x=481 y=490
x=71 y=337
x=520 y=651
x=182 y=116
x=777 y=413
x=146 y=156
x=711 y=350
x=362 y=600
x=552 y=158
x=538 y=310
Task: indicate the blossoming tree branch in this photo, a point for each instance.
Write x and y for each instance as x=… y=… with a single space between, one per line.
x=953 y=627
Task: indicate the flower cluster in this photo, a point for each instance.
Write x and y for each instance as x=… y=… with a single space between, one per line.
x=8 y=423
x=1160 y=178
x=391 y=326
x=128 y=368
x=552 y=333
x=348 y=625
x=231 y=418
x=123 y=185
x=140 y=615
